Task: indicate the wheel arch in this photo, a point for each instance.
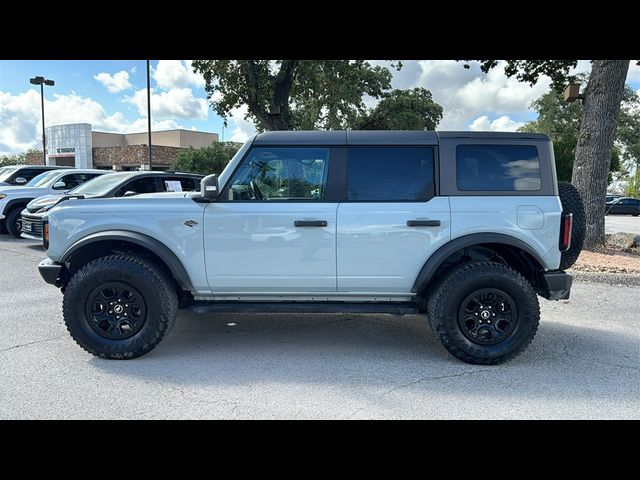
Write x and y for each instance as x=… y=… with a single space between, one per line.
x=103 y=243
x=513 y=252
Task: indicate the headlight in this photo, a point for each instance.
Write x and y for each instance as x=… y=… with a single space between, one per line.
x=2 y=195
x=46 y=208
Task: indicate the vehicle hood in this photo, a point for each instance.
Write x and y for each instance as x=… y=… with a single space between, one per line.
x=13 y=191
x=3 y=184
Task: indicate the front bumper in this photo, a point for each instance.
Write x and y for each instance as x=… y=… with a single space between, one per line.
x=50 y=271
x=556 y=285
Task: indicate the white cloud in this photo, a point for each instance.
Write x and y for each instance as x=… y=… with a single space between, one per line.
x=177 y=102
x=114 y=83
x=170 y=74
x=20 y=118
x=133 y=69
x=242 y=129
x=501 y=124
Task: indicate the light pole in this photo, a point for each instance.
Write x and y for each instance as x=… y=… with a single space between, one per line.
x=42 y=82
x=149 y=112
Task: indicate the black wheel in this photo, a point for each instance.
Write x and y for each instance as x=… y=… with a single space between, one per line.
x=484 y=313
x=119 y=306
x=13 y=222
x=572 y=202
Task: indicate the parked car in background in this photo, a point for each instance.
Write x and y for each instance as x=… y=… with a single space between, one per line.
x=611 y=197
x=58 y=181
x=22 y=174
x=624 y=206
x=120 y=184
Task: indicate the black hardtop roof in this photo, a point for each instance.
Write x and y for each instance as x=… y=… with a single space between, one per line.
x=377 y=137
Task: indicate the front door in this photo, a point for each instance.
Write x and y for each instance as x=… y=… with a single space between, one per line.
x=273 y=229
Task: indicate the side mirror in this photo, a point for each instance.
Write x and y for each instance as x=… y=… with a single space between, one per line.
x=20 y=180
x=129 y=193
x=59 y=185
x=209 y=188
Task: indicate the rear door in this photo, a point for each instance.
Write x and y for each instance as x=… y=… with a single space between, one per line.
x=391 y=220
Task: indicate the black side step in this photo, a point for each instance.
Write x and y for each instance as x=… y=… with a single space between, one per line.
x=398 y=308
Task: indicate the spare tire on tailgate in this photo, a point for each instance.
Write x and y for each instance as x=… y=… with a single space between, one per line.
x=572 y=203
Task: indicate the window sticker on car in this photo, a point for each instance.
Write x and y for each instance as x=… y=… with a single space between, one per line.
x=173 y=185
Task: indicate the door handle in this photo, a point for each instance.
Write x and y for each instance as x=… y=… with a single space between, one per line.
x=310 y=223
x=423 y=223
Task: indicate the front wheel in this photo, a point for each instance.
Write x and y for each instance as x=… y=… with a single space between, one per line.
x=119 y=306
x=484 y=313
x=14 y=223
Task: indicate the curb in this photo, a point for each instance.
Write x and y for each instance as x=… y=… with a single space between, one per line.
x=624 y=279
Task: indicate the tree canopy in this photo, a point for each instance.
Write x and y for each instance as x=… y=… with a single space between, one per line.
x=294 y=94
x=402 y=110
x=561 y=121
x=207 y=160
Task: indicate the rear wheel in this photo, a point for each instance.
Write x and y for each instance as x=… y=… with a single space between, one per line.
x=484 y=313
x=14 y=222
x=119 y=306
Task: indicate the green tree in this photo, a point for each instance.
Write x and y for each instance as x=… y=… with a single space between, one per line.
x=294 y=94
x=600 y=112
x=402 y=110
x=561 y=121
x=13 y=159
x=207 y=160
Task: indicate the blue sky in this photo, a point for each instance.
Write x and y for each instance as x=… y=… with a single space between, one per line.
x=111 y=95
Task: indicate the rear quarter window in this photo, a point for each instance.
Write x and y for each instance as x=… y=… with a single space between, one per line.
x=497 y=168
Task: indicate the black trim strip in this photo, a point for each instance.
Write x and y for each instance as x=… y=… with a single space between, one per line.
x=160 y=249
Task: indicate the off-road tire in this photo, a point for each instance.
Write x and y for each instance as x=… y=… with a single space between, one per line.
x=12 y=222
x=572 y=202
x=151 y=281
x=445 y=300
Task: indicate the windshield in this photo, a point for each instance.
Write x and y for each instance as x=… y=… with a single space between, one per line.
x=43 y=179
x=100 y=185
x=224 y=175
x=6 y=172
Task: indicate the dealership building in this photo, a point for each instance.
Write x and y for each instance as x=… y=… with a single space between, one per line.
x=77 y=145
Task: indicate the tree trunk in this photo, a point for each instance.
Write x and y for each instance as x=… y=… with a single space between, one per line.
x=601 y=106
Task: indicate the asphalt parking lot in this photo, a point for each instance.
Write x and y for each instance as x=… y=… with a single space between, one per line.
x=622 y=223
x=584 y=363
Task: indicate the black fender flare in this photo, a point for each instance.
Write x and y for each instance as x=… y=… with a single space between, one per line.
x=440 y=255
x=160 y=249
x=20 y=202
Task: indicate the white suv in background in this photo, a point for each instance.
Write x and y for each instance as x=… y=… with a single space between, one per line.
x=14 y=198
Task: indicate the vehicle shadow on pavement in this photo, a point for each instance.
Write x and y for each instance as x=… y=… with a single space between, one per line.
x=393 y=353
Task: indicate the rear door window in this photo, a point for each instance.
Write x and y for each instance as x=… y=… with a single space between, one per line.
x=381 y=174
x=497 y=168
x=140 y=185
x=180 y=184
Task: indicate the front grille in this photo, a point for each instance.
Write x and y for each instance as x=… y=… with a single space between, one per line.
x=32 y=225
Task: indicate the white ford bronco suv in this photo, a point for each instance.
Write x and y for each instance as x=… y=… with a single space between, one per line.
x=466 y=227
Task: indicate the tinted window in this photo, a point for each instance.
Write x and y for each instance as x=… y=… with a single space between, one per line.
x=281 y=174
x=390 y=174
x=29 y=173
x=184 y=184
x=497 y=167
x=74 y=180
x=141 y=185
